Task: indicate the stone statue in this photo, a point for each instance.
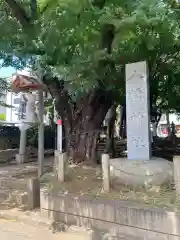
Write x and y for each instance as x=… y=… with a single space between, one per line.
x=110 y=123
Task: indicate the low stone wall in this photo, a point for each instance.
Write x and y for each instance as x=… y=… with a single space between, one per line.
x=8 y=155
x=121 y=219
x=9 y=142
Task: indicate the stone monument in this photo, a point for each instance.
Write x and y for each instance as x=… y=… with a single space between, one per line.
x=137 y=112
x=139 y=168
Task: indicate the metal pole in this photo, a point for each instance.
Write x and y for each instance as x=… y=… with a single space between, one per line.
x=59 y=136
x=11 y=104
x=41 y=135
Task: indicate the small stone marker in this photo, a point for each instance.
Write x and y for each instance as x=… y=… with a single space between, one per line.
x=137 y=111
x=33 y=190
x=106 y=172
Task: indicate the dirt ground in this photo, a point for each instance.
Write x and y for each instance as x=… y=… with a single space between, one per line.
x=87 y=180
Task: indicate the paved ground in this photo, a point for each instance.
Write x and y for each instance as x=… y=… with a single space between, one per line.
x=19 y=231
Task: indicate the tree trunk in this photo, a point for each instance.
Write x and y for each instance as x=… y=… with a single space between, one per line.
x=81 y=145
x=82 y=120
x=86 y=126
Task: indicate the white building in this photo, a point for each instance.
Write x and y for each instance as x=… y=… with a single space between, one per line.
x=10 y=114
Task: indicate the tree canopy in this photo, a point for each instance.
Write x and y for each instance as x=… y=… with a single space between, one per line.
x=66 y=37
x=82 y=46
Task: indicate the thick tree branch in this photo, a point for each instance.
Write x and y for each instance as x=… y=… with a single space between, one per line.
x=19 y=13
x=107 y=37
x=57 y=90
x=33 y=9
x=99 y=3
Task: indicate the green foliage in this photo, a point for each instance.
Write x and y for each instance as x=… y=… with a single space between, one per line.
x=66 y=36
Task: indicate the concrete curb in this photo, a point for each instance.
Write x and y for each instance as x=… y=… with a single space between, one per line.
x=30 y=218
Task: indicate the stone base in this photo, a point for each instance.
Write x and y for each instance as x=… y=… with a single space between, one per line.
x=21 y=158
x=136 y=173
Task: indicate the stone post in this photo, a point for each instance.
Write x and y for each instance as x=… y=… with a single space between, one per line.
x=33 y=190
x=61 y=165
x=57 y=153
x=106 y=172
x=176 y=163
x=59 y=135
x=20 y=158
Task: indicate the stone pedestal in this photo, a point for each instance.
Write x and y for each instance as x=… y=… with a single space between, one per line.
x=21 y=158
x=138 y=173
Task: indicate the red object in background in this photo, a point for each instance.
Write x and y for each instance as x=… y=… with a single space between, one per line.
x=165 y=131
x=59 y=122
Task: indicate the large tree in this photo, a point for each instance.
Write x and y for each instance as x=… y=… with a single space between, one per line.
x=82 y=47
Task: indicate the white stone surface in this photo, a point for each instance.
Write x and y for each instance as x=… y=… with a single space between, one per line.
x=137 y=111
x=154 y=172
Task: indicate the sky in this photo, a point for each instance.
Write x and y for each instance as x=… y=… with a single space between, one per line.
x=7 y=71
x=4 y=73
